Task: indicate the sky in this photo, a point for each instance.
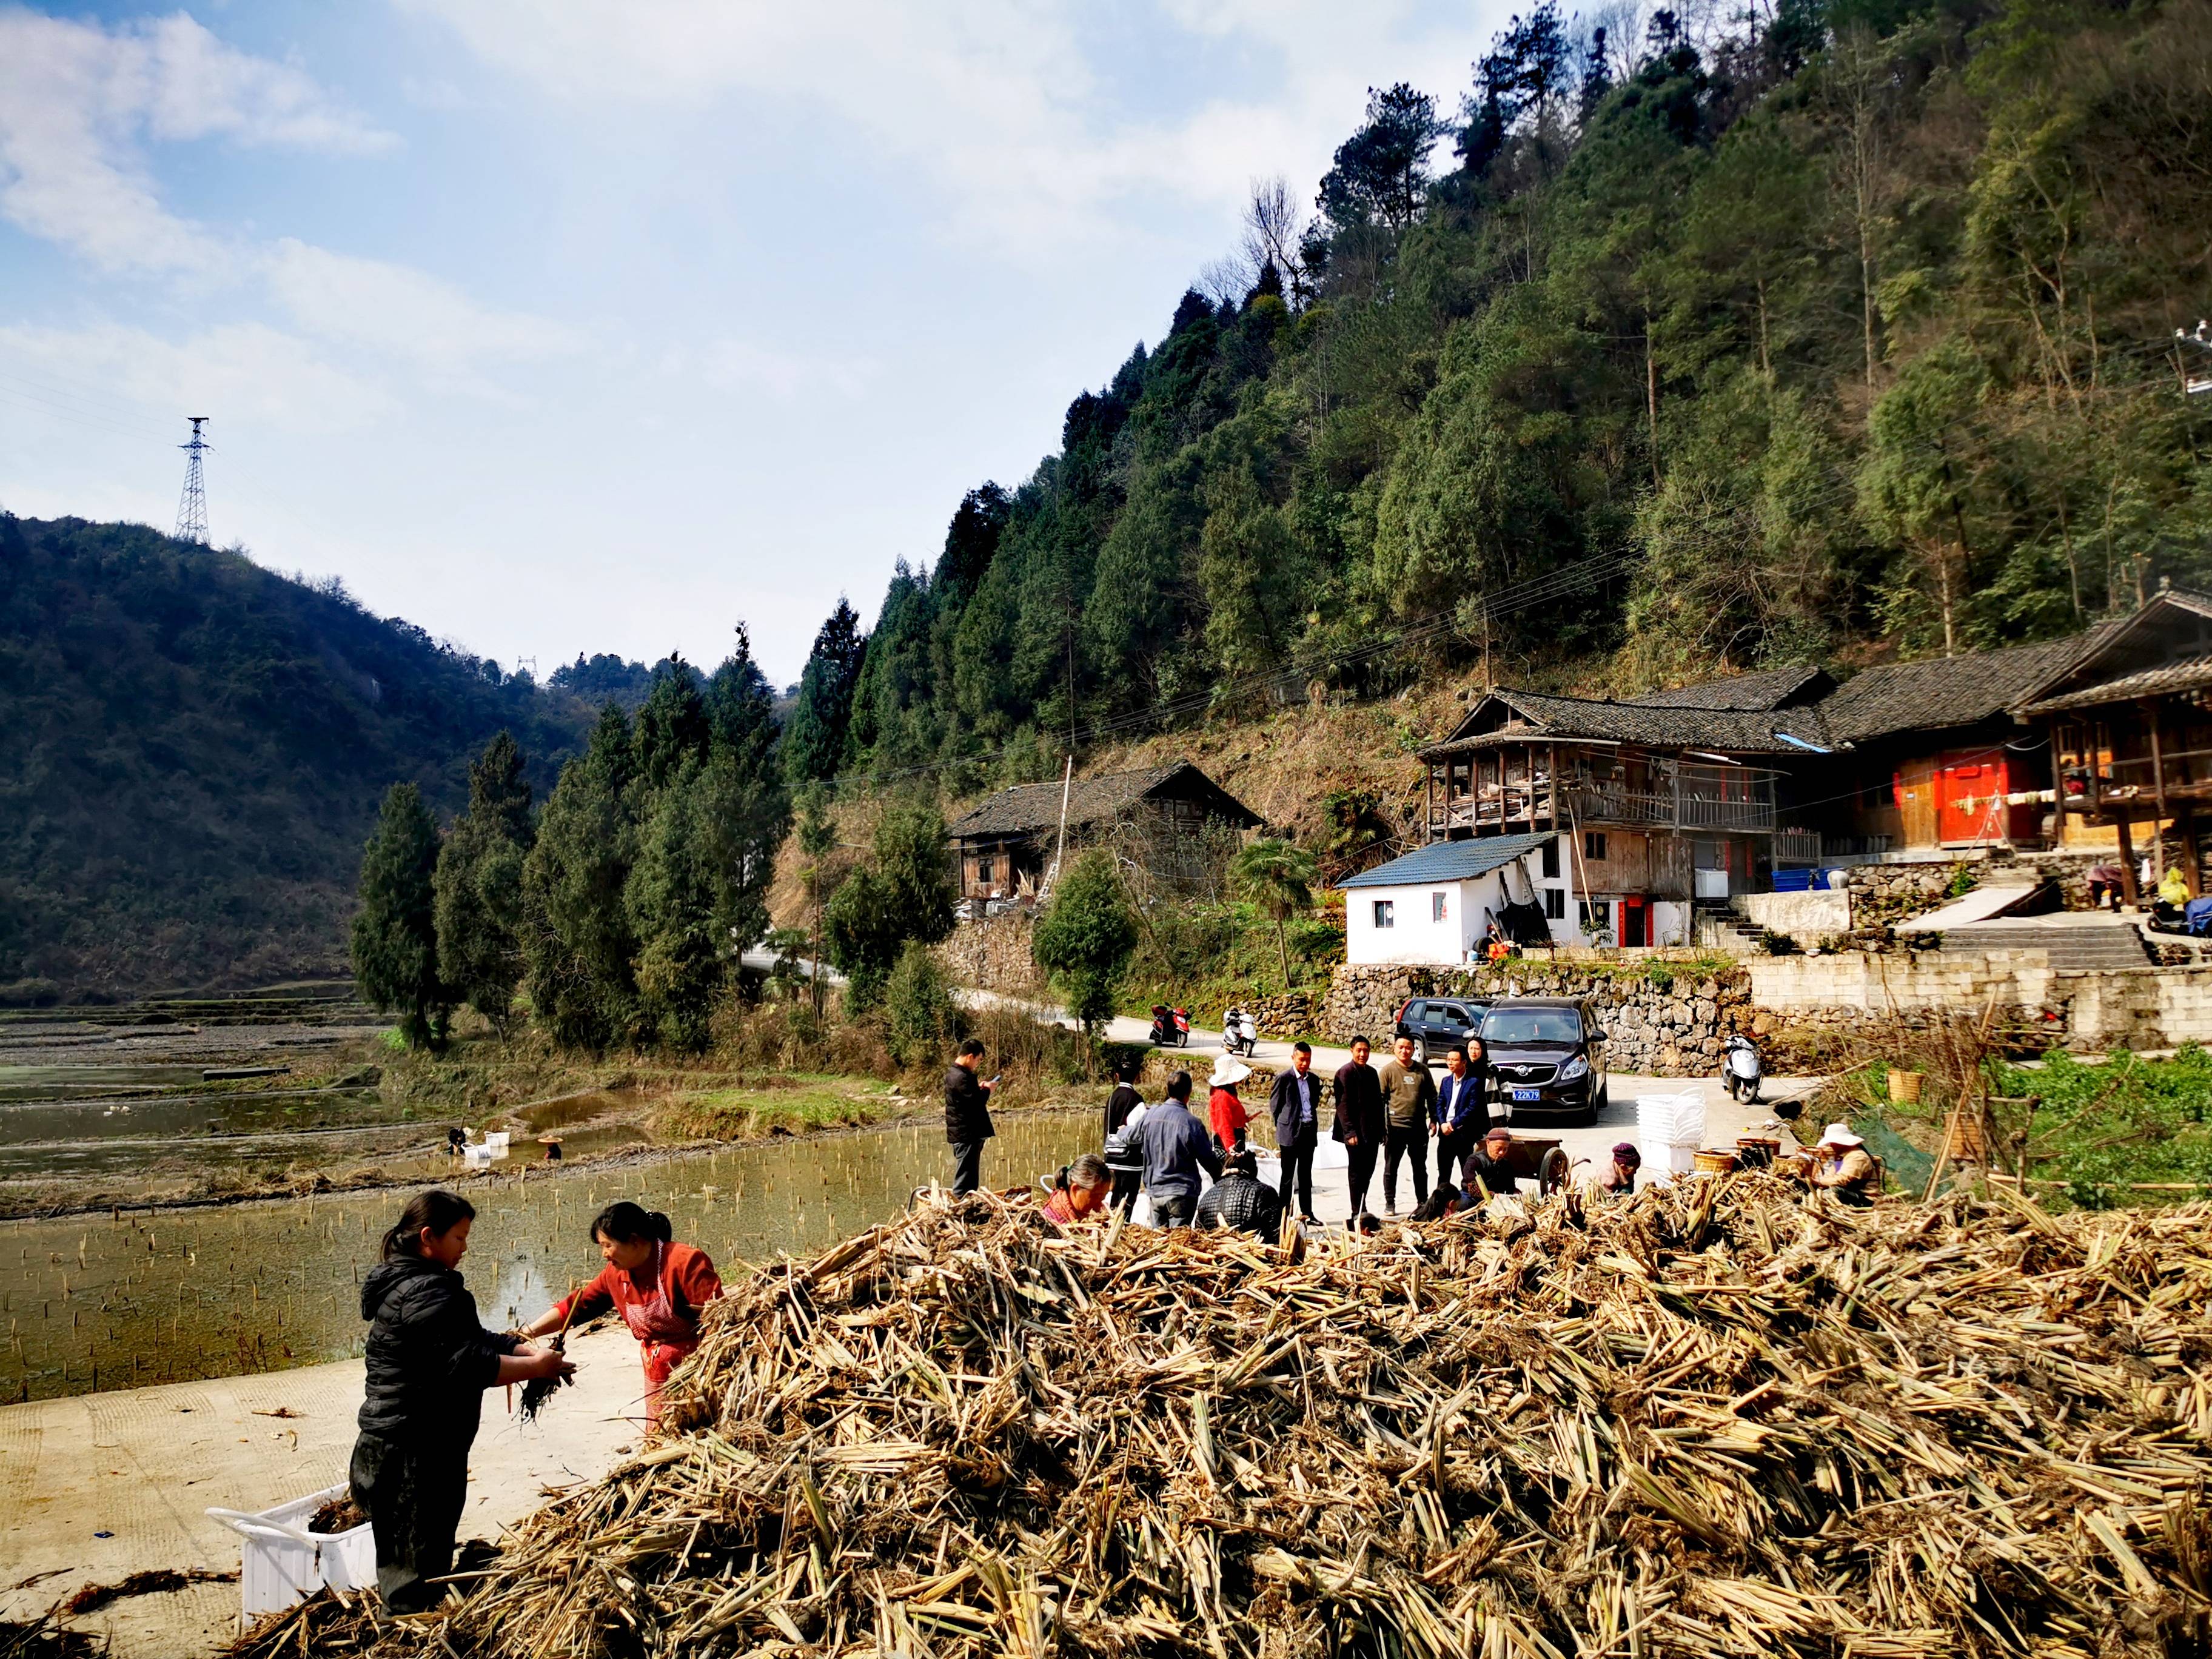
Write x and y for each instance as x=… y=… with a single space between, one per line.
x=585 y=325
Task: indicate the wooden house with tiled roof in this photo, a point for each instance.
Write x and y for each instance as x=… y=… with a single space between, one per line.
x=1171 y=819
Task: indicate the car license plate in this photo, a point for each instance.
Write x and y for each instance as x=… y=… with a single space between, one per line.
x=1528 y=1094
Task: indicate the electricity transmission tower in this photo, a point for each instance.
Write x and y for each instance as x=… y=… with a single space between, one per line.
x=192 y=506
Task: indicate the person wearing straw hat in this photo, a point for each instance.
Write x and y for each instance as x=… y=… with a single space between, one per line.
x=1842 y=1165
x=1225 y=1108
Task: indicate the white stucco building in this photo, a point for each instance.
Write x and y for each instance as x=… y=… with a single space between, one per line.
x=1435 y=905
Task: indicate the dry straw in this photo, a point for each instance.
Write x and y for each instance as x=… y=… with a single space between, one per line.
x=1722 y=1419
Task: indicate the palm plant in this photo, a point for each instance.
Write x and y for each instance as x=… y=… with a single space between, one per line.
x=1278 y=876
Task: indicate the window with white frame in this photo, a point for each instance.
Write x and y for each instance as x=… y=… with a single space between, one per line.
x=1439 y=909
x=1386 y=914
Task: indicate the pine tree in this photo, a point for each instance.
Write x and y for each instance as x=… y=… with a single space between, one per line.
x=673 y=723
x=395 y=940
x=1085 y=938
x=814 y=733
x=682 y=960
x=478 y=886
x=577 y=940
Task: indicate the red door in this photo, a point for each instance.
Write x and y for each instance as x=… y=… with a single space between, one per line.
x=1969 y=799
x=1633 y=928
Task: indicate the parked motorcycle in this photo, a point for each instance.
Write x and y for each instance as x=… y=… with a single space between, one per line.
x=1240 y=1033
x=1170 y=1027
x=1741 y=1068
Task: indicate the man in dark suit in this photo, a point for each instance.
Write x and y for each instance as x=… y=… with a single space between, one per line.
x=1295 y=1100
x=967 y=1116
x=1360 y=1122
x=1462 y=1117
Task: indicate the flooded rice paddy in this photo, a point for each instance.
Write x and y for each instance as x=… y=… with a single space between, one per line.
x=103 y=1302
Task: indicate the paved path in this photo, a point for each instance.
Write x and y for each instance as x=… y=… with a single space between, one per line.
x=141 y=1466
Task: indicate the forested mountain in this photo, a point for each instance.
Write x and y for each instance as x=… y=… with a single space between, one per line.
x=195 y=751
x=1660 y=346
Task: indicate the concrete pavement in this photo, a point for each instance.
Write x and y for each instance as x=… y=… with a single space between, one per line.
x=96 y=1487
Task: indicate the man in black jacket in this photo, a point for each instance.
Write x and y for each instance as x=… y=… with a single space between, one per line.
x=1295 y=1102
x=1359 y=1121
x=968 y=1116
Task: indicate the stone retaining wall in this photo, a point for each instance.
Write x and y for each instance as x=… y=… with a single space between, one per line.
x=993 y=955
x=1663 y=1022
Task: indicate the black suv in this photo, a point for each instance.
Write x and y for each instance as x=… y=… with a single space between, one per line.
x=1438 y=1026
x=1546 y=1059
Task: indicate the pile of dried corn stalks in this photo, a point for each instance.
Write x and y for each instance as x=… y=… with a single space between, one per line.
x=1721 y=1420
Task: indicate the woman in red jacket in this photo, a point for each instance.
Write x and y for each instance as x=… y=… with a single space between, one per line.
x=656 y=1285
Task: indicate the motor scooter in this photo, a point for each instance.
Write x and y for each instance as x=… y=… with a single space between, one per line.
x=1240 y=1033
x=1170 y=1027
x=1741 y=1068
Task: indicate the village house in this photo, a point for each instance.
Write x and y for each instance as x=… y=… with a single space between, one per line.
x=1173 y=822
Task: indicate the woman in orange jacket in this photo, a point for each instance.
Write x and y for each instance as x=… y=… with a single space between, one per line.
x=656 y=1285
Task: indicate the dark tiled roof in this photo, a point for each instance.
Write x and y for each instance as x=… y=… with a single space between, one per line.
x=1030 y=807
x=1730 y=731
x=1771 y=687
x=2185 y=674
x=1448 y=860
x=1946 y=692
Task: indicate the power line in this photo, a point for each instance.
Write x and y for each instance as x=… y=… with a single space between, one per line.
x=192 y=506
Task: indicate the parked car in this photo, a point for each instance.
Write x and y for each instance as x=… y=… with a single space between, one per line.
x=1438 y=1025
x=1546 y=1058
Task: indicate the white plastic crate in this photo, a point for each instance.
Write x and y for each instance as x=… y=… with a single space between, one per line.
x=284 y=1563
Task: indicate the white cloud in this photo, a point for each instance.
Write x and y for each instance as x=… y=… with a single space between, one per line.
x=400 y=313
x=995 y=100
x=77 y=104
x=733 y=365
x=247 y=371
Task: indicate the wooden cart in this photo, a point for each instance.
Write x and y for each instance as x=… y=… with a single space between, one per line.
x=1544 y=1162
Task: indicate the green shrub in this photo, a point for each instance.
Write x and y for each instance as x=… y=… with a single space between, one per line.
x=918 y=1007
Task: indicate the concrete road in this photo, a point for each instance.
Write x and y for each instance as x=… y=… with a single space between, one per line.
x=97 y=1487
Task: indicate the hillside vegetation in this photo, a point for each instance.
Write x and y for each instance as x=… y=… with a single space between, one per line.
x=1670 y=343
x=195 y=751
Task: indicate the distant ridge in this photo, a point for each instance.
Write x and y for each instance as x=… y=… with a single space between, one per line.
x=195 y=751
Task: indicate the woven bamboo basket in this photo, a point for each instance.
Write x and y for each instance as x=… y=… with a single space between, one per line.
x=1904 y=1087
x=1709 y=1162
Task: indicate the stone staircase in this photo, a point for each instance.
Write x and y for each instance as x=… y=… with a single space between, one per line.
x=2074 y=942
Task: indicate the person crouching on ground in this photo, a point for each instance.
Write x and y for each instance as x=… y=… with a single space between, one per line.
x=1295 y=1103
x=1176 y=1147
x=1620 y=1179
x=968 y=1115
x=1084 y=1191
x=1241 y=1201
x=1842 y=1166
x=656 y=1285
x=1225 y=1108
x=428 y=1363
x=1492 y=1163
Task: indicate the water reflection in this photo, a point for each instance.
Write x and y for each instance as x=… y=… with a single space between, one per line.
x=99 y=1303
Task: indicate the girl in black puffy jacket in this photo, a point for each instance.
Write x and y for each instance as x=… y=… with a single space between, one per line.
x=429 y=1361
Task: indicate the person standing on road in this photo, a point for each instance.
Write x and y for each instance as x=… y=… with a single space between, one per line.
x=968 y=1116
x=1295 y=1103
x=1225 y=1108
x=1461 y=1116
x=429 y=1364
x=1124 y=1153
x=1409 y=1103
x=1176 y=1147
x=1360 y=1122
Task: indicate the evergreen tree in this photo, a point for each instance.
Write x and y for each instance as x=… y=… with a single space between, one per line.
x=673 y=725
x=918 y=1006
x=746 y=809
x=577 y=940
x=395 y=939
x=673 y=897
x=814 y=734
x=817 y=834
x=904 y=892
x=1085 y=938
x=478 y=886
x=1381 y=172
x=1279 y=877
